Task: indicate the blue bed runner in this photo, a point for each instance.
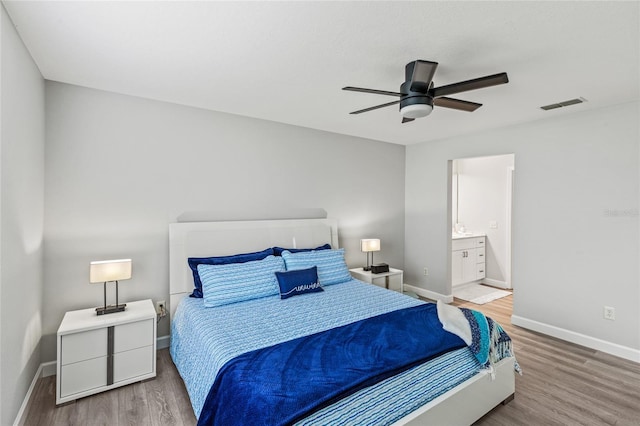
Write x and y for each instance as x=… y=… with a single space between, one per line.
x=283 y=383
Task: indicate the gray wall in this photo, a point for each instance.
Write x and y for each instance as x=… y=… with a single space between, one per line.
x=575 y=218
x=119 y=169
x=21 y=214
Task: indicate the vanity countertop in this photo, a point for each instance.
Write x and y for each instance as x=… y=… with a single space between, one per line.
x=457 y=236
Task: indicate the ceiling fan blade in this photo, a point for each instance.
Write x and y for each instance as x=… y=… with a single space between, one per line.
x=375 y=107
x=407 y=120
x=374 y=91
x=422 y=76
x=456 y=104
x=476 y=83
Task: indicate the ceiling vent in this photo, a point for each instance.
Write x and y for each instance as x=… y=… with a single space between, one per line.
x=563 y=104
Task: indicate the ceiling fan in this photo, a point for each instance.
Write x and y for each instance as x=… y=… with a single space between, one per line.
x=418 y=96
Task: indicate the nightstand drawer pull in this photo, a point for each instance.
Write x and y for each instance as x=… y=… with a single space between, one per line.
x=109 y=355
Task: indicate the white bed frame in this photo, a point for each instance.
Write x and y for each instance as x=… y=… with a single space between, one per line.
x=462 y=405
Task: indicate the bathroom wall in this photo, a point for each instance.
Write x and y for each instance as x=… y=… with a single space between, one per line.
x=484 y=207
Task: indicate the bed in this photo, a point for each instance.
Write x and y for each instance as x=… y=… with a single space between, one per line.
x=447 y=388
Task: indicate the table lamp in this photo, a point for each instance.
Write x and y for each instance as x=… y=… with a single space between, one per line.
x=105 y=271
x=369 y=245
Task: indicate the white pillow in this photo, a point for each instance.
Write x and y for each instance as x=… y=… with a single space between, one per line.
x=454 y=321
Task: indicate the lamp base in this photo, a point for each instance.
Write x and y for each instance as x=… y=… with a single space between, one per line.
x=366 y=268
x=103 y=310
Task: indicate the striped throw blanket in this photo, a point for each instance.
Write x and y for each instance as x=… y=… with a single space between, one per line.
x=490 y=343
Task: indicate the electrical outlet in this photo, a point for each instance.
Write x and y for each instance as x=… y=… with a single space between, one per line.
x=161 y=308
x=609 y=313
x=426 y=271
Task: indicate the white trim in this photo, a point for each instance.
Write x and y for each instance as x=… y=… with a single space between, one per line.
x=25 y=402
x=428 y=293
x=162 y=342
x=496 y=283
x=48 y=369
x=578 y=338
x=508 y=231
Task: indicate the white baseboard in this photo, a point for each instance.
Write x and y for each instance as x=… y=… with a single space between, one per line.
x=429 y=294
x=496 y=283
x=162 y=342
x=578 y=338
x=48 y=369
x=40 y=372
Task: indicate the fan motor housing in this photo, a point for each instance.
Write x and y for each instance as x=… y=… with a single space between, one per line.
x=413 y=98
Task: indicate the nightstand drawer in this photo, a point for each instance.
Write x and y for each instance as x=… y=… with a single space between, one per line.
x=132 y=363
x=133 y=335
x=83 y=376
x=83 y=346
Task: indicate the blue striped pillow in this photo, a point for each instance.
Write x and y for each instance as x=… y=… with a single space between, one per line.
x=221 y=260
x=332 y=269
x=237 y=282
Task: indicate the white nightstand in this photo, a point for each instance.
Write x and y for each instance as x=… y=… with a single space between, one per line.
x=393 y=280
x=98 y=353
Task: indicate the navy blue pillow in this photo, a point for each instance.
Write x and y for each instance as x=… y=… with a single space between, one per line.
x=277 y=251
x=221 y=260
x=298 y=281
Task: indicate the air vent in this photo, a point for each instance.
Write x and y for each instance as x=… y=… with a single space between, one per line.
x=563 y=104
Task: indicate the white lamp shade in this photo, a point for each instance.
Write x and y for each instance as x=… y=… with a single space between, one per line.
x=110 y=270
x=370 y=244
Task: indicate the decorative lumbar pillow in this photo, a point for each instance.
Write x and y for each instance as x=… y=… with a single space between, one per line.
x=278 y=250
x=454 y=321
x=332 y=269
x=239 y=282
x=298 y=281
x=221 y=260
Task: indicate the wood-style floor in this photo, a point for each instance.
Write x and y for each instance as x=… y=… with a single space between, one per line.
x=563 y=384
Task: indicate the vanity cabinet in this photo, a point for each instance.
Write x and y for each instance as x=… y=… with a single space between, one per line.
x=467 y=260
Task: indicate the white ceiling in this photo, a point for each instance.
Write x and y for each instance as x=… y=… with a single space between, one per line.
x=287 y=61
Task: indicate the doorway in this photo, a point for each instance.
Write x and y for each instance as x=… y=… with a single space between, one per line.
x=481 y=191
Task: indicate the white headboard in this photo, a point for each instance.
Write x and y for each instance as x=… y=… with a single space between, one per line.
x=205 y=239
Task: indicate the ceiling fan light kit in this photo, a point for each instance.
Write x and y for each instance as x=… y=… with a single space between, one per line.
x=416 y=110
x=418 y=96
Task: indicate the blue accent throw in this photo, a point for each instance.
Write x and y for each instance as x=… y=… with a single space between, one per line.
x=490 y=343
x=281 y=384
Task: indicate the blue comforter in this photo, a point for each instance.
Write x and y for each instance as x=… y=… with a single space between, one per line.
x=283 y=383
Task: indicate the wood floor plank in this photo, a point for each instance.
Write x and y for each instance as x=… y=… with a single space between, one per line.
x=177 y=388
x=133 y=407
x=163 y=407
x=563 y=384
